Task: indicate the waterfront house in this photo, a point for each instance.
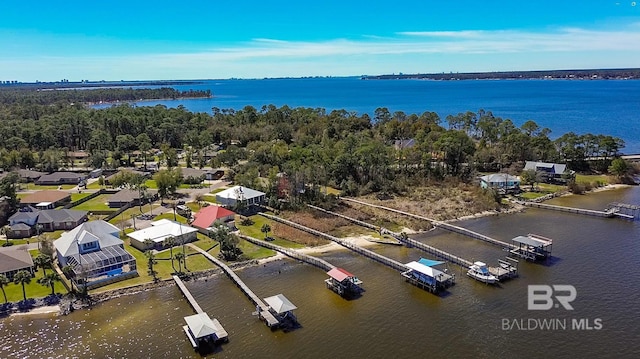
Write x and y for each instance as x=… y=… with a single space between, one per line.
x=159 y=232
x=549 y=172
x=96 y=254
x=501 y=181
x=46 y=199
x=235 y=195
x=399 y=145
x=58 y=178
x=14 y=259
x=209 y=216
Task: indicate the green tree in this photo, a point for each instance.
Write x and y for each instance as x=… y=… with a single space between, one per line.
x=170 y=242
x=4 y=230
x=266 y=228
x=42 y=261
x=168 y=181
x=49 y=280
x=619 y=167
x=528 y=177
x=3 y=282
x=23 y=277
x=180 y=258
x=144 y=144
x=151 y=259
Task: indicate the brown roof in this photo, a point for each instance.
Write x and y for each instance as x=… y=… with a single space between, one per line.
x=14 y=258
x=44 y=196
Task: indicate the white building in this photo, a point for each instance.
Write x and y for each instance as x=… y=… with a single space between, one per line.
x=230 y=197
x=159 y=232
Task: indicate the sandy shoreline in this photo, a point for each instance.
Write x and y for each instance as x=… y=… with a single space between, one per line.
x=49 y=309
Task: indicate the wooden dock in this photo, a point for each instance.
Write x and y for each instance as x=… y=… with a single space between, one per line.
x=624 y=210
x=365 y=252
x=582 y=211
x=292 y=253
x=444 y=225
x=262 y=308
x=188 y=295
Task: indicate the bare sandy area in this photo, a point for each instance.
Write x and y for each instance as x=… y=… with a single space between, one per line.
x=51 y=309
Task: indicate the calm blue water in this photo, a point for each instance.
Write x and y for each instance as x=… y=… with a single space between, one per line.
x=599 y=107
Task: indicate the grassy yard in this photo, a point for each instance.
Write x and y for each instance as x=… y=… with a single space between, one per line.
x=217 y=190
x=254 y=231
x=98 y=203
x=33 y=289
x=532 y=195
x=169 y=216
x=580 y=178
x=193 y=206
x=125 y=216
x=79 y=196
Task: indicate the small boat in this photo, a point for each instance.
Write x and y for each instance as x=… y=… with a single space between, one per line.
x=480 y=272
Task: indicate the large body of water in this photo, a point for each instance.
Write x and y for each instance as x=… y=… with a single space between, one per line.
x=608 y=107
x=393 y=318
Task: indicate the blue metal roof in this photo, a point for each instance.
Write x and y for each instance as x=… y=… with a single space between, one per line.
x=429 y=262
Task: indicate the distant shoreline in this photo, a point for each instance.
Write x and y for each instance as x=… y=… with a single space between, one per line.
x=588 y=74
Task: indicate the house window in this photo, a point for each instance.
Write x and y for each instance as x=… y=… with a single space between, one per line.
x=89 y=246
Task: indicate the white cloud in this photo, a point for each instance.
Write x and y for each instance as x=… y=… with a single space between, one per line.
x=262 y=57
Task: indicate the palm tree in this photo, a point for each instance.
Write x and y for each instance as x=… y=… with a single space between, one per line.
x=68 y=272
x=266 y=228
x=5 y=231
x=180 y=257
x=151 y=260
x=4 y=281
x=22 y=277
x=50 y=280
x=171 y=241
x=42 y=261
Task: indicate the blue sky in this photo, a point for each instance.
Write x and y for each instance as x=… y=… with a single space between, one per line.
x=203 y=39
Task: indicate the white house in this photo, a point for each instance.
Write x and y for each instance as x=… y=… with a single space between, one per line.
x=94 y=249
x=231 y=196
x=159 y=232
x=502 y=181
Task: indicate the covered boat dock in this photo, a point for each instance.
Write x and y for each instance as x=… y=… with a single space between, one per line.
x=282 y=308
x=343 y=282
x=202 y=330
x=532 y=247
x=423 y=275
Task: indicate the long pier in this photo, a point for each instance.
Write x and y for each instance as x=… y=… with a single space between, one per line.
x=318 y=262
x=587 y=212
x=188 y=295
x=263 y=309
x=405 y=240
x=365 y=252
x=444 y=225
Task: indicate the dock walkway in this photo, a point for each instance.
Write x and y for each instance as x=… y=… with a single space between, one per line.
x=318 y=262
x=365 y=252
x=444 y=225
x=188 y=295
x=405 y=240
x=263 y=309
x=587 y=212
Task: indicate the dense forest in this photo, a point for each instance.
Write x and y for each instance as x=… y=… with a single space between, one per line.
x=353 y=152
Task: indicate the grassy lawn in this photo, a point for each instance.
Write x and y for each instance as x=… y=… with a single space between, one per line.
x=79 y=196
x=551 y=188
x=94 y=185
x=207 y=198
x=252 y=251
x=193 y=206
x=169 y=216
x=126 y=216
x=151 y=184
x=254 y=231
x=98 y=203
x=217 y=190
x=531 y=195
x=592 y=178
x=33 y=289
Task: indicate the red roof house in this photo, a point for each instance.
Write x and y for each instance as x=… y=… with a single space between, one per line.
x=207 y=216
